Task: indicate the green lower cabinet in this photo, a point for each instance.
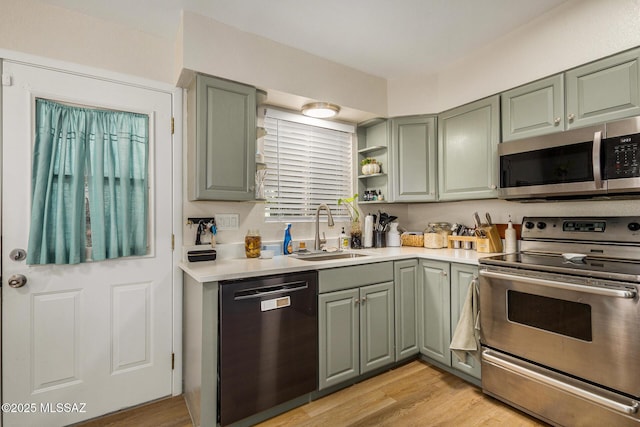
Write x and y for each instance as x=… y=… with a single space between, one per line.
x=462 y=275
x=406 y=306
x=356 y=328
x=434 y=324
x=339 y=335
x=442 y=291
x=377 y=337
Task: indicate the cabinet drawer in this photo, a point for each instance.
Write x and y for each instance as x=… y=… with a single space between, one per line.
x=335 y=279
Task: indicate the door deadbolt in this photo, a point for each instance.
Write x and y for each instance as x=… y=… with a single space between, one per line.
x=17 y=281
x=18 y=254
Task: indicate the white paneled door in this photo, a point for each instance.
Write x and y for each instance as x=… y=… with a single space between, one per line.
x=82 y=340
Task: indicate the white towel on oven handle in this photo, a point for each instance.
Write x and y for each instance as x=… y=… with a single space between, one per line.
x=466 y=338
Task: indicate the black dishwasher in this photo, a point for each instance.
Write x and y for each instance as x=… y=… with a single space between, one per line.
x=268 y=349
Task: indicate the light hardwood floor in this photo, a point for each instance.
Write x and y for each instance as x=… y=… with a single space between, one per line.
x=416 y=394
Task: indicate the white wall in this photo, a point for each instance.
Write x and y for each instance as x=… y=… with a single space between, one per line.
x=32 y=27
x=220 y=50
x=572 y=34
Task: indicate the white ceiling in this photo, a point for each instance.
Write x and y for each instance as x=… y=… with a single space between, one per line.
x=385 y=38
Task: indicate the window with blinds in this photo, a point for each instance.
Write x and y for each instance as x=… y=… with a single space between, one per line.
x=309 y=162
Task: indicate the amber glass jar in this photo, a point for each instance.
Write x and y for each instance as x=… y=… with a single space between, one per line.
x=252 y=244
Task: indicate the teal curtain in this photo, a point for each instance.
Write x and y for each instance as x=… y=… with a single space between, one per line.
x=88 y=164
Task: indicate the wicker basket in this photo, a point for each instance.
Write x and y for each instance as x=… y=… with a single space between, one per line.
x=412 y=239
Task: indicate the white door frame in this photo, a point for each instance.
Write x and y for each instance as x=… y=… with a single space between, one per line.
x=177 y=194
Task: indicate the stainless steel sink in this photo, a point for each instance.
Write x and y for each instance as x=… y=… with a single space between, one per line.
x=327 y=256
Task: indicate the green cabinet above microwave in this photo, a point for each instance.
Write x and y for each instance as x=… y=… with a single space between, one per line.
x=604 y=90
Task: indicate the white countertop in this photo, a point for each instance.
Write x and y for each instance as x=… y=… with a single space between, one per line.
x=229 y=269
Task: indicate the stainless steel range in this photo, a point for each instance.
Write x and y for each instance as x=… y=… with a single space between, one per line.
x=561 y=321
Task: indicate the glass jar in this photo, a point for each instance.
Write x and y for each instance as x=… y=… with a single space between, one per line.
x=252 y=243
x=445 y=231
x=432 y=237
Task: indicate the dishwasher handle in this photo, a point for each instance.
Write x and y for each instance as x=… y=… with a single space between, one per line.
x=262 y=291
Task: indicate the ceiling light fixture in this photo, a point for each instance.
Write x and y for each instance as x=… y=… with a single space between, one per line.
x=320 y=110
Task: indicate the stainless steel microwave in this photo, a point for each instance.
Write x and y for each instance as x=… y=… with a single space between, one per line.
x=586 y=162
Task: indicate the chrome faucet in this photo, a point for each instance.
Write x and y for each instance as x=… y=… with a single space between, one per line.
x=330 y=223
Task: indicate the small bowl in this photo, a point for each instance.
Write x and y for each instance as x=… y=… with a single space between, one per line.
x=574 y=257
x=266 y=254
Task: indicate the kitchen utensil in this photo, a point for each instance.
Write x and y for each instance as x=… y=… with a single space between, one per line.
x=488 y=219
x=476 y=220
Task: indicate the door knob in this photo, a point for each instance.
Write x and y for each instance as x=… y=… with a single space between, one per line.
x=17 y=281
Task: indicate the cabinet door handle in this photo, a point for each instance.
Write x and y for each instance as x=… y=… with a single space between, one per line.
x=364 y=299
x=556 y=121
x=357 y=301
x=571 y=117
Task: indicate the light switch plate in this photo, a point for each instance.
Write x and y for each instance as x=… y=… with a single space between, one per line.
x=227 y=221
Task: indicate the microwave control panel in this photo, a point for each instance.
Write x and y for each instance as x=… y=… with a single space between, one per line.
x=621 y=157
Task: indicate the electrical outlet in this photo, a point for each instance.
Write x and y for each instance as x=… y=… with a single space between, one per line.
x=227 y=221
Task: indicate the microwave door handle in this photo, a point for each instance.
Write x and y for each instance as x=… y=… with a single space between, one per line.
x=597 y=168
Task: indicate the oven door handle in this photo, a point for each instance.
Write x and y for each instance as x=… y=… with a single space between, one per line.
x=617 y=293
x=495 y=359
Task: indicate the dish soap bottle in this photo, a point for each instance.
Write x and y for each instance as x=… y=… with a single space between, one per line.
x=510 y=241
x=344 y=240
x=287 y=246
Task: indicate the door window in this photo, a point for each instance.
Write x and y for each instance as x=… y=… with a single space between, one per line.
x=89 y=184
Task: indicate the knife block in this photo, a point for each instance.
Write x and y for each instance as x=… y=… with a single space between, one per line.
x=493 y=238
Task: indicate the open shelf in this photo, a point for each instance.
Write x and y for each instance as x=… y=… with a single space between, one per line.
x=368 y=150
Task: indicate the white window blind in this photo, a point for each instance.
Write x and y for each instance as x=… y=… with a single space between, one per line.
x=308 y=163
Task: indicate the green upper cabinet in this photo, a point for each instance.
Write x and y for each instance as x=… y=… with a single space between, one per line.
x=223 y=135
x=413 y=159
x=533 y=109
x=604 y=90
x=468 y=138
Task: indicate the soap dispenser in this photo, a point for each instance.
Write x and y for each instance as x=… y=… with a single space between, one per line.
x=287 y=246
x=344 y=240
x=510 y=239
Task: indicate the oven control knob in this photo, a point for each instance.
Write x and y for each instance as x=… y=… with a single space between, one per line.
x=529 y=225
x=633 y=226
x=542 y=225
